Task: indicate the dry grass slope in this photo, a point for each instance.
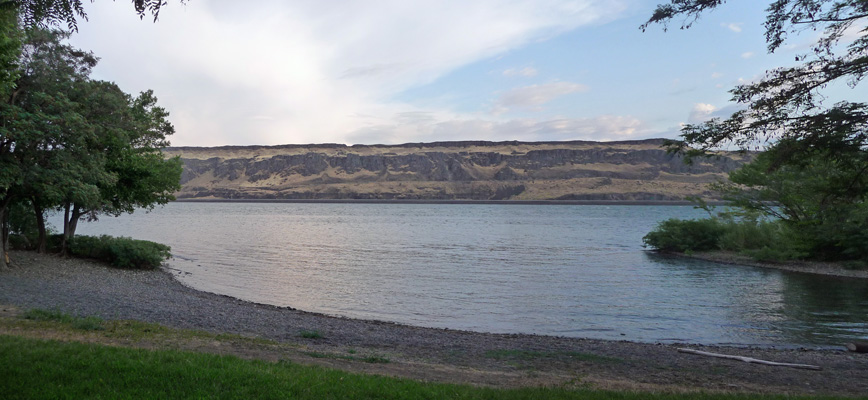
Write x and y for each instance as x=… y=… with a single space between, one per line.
x=472 y=170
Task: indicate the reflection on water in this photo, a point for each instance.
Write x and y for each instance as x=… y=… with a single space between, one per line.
x=560 y=270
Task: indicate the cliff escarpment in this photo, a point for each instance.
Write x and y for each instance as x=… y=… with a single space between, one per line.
x=472 y=170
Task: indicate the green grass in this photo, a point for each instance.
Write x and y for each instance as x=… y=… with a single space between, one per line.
x=37 y=369
x=81 y=323
x=311 y=334
x=135 y=331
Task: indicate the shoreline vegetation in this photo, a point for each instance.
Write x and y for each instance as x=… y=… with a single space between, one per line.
x=756 y=240
x=150 y=309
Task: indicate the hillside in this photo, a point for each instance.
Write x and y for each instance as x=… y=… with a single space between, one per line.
x=471 y=170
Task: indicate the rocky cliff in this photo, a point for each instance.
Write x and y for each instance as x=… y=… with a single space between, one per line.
x=475 y=170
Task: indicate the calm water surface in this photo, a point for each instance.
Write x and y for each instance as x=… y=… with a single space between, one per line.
x=557 y=270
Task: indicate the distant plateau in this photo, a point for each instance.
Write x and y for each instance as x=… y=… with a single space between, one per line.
x=626 y=171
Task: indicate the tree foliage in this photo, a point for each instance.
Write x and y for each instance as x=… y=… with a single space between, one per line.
x=822 y=198
x=10 y=48
x=788 y=102
x=77 y=144
x=48 y=13
x=813 y=176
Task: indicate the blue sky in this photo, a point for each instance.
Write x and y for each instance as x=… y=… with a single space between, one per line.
x=365 y=72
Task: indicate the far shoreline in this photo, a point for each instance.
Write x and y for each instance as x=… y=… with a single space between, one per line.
x=457 y=202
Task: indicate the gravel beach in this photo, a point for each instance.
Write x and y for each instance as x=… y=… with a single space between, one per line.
x=86 y=288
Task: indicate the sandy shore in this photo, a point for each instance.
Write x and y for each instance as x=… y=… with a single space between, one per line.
x=86 y=288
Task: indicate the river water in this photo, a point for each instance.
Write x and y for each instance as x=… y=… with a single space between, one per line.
x=568 y=270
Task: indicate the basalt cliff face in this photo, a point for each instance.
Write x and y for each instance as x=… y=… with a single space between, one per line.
x=472 y=170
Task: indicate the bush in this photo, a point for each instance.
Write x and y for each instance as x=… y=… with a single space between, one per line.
x=676 y=235
x=120 y=252
x=841 y=237
x=760 y=239
x=748 y=234
x=19 y=241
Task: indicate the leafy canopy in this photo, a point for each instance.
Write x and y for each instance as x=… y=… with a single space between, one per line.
x=813 y=176
x=45 y=13
x=787 y=103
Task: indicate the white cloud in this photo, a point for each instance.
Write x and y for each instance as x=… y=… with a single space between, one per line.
x=701 y=112
x=603 y=128
x=716 y=75
x=534 y=96
x=747 y=54
x=319 y=71
x=525 y=72
x=735 y=27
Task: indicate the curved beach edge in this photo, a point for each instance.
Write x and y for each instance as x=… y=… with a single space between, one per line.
x=86 y=288
x=806 y=267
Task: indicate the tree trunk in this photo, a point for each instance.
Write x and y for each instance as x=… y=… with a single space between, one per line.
x=73 y=220
x=4 y=233
x=40 y=225
x=64 y=241
x=71 y=214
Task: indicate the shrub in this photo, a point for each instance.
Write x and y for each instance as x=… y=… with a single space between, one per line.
x=311 y=334
x=760 y=239
x=20 y=242
x=675 y=235
x=120 y=252
x=844 y=236
x=748 y=234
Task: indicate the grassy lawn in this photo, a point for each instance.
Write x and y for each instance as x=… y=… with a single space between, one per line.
x=33 y=368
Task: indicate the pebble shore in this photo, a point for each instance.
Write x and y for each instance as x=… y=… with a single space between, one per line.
x=86 y=288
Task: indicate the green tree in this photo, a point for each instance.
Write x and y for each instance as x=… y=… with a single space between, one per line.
x=10 y=49
x=36 y=118
x=813 y=175
x=53 y=137
x=131 y=141
x=821 y=198
x=105 y=108
x=81 y=145
x=145 y=177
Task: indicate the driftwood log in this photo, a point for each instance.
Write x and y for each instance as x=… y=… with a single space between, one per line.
x=751 y=360
x=858 y=347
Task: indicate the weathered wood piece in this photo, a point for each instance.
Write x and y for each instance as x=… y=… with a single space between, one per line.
x=858 y=347
x=751 y=360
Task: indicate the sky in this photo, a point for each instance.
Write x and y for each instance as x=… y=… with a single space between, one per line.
x=272 y=72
